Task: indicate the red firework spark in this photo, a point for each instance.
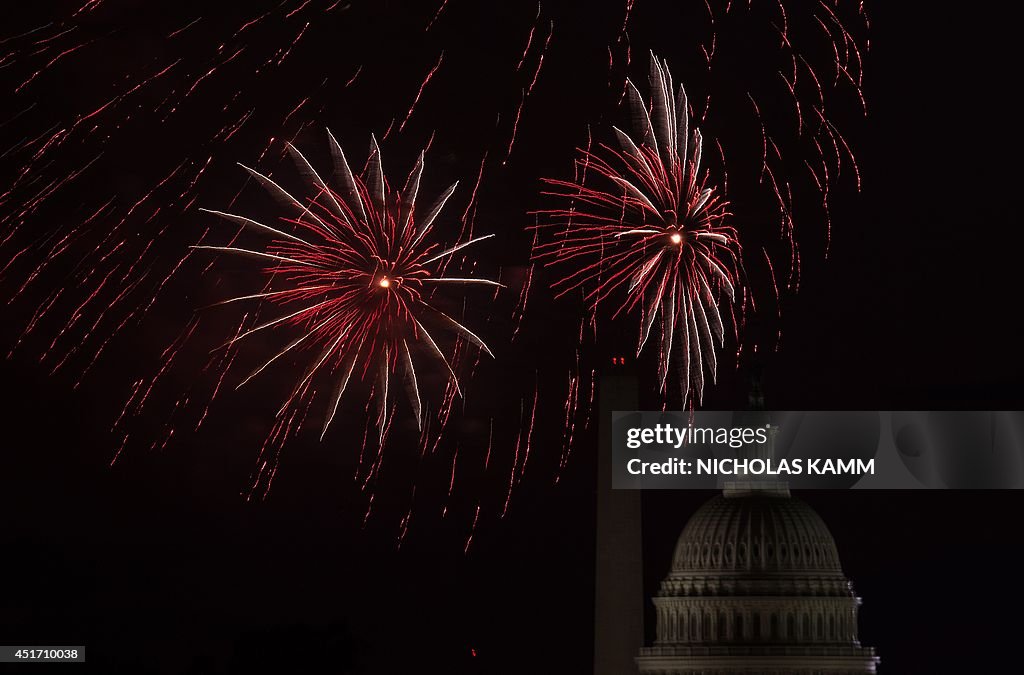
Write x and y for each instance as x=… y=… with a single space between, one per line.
x=651 y=229
x=352 y=271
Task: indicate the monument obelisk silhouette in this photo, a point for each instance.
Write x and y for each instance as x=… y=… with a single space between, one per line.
x=618 y=588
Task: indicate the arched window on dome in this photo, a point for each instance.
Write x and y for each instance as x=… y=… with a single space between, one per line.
x=706 y=627
x=738 y=633
x=723 y=627
x=807 y=626
x=756 y=625
x=831 y=627
x=819 y=631
x=774 y=626
x=791 y=626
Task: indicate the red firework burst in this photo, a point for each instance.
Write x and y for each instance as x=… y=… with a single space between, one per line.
x=651 y=229
x=352 y=272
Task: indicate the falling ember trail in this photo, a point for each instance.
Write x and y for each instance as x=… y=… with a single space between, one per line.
x=419 y=93
x=472 y=531
x=529 y=39
x=444 y=3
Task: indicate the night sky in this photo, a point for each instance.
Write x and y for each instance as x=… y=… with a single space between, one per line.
x=159 y=565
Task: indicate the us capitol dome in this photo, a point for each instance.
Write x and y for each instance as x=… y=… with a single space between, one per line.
x=756 y=587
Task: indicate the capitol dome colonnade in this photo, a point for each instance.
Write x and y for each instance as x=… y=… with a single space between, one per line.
x=756 y=587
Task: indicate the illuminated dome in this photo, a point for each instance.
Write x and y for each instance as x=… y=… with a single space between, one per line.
x=762 y=535
x=756 y=587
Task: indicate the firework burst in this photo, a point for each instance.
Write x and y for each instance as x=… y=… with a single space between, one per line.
x=351 y=272
x=643 y=223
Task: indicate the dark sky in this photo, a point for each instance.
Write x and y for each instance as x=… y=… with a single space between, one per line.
x=158 y=565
